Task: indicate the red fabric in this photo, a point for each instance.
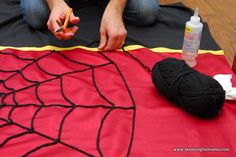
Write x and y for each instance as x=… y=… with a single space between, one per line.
x=159 y=126
x=234 y=64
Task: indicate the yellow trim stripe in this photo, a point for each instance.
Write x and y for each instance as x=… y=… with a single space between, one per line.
x=162 y=49
x=127 y=48
x=49 y=47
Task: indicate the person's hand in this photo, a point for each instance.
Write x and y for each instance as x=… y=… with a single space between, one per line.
x=58 y=12
x=112 y=29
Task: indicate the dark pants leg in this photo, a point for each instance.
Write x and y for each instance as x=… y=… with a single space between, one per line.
x=36 y=12
x=142 y=12
x=138 y=12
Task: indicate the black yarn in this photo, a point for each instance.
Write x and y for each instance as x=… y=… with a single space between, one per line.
x=136 y=59
x=197 y=93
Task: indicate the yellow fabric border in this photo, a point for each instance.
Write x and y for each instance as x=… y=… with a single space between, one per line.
x=49 y=47
x=127 y=48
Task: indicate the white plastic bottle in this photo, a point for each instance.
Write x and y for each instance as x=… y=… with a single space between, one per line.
x=192 y=39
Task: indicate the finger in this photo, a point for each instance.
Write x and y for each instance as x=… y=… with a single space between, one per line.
x=51 y=28
x=67 y=36
x=111 y=44
x=74 y=19
x=49 y=25
x=63 y=36
x=59 y=35
x=103 y=40
x=59 y=23
x=62 y=18
x=116 y=44
x=70 y=32
x=120 y=43
x=54 y=26
x=67 y=33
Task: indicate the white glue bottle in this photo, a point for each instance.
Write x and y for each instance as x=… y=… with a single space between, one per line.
x=192 y=39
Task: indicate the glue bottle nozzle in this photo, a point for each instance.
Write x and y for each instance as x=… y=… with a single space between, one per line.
x=196 y=12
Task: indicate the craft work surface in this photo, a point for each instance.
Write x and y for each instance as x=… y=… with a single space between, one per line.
x=81 y=103
x=73 y=101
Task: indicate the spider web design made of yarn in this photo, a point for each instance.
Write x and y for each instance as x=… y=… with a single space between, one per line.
x=27 y=77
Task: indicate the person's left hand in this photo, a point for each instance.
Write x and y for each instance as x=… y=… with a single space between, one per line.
x=112 y=29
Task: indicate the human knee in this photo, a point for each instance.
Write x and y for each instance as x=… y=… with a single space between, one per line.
x=35 y=12
x=148 y=12
x=142 y=12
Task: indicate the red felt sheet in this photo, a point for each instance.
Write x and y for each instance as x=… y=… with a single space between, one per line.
x=79 y=103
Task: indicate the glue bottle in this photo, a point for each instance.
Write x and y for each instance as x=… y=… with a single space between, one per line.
x=192 y=39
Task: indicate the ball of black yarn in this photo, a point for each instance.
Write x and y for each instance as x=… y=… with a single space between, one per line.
x=197 y=93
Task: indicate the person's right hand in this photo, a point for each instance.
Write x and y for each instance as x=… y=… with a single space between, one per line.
x=58 y=12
